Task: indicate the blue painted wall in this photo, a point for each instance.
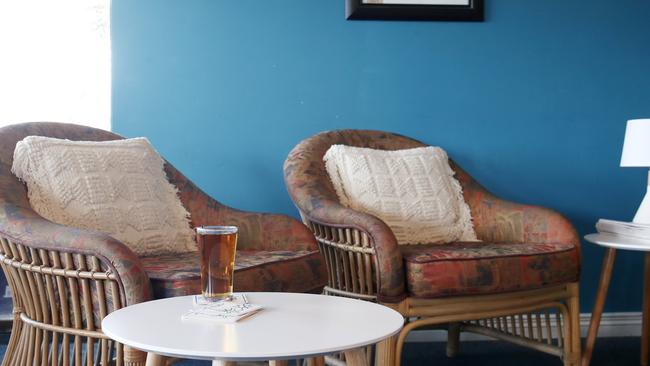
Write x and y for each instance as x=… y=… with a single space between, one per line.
x=532 y=102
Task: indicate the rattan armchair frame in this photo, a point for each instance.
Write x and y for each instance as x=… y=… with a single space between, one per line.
x=59 y=300
x=363 y=260
x=64 y=280
x=547 y=319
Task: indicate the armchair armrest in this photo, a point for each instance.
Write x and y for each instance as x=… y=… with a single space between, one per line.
x=499 y=220
x=388 y=263
x=314 y=196
x=23 y=226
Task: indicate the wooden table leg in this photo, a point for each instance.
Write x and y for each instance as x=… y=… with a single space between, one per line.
x=278 y=363
x=596 y=314
x=385 y=352
x=155 y=360
x=223 y=363
x=645 y=331
x=316 y=361
x=356 y=357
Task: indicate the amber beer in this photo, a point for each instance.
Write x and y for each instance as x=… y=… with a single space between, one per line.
x=217 y=245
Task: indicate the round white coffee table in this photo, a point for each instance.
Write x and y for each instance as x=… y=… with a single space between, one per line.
x=612 y=242
x=289 y=326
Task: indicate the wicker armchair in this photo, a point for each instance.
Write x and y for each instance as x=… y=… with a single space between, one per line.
x=519 y=284
x=65 y=280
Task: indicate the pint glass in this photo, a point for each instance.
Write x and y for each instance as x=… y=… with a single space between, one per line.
x=217 y=245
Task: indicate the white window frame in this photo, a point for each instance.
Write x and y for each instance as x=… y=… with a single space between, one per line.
x=55 y=62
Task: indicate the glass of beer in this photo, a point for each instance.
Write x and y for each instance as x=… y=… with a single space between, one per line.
x=217 y=245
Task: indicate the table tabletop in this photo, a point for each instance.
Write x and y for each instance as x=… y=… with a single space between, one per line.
x=289 y=326
x=618 y=241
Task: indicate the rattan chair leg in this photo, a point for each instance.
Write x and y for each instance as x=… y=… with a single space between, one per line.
x=14 y=340
x=453 y=339
x=574 y=318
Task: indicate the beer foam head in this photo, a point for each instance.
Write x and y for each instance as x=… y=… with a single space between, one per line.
x=216 y=230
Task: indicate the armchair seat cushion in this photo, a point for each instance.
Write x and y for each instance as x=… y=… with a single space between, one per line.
x=287 y=271
x=474 y=268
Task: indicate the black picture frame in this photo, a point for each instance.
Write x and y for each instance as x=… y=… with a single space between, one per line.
x=357 y=10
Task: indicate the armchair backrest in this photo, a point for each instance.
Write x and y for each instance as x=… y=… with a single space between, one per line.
x=12 y=191
x=201 y=207
x=309 y=184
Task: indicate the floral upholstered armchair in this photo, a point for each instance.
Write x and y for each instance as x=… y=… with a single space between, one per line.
x=519 y=283
x=65 y=280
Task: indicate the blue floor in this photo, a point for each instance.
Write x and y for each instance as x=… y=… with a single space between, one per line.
x=608 y=352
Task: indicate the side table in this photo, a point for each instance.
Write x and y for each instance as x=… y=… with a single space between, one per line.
x=290 y=326
x=612 y=243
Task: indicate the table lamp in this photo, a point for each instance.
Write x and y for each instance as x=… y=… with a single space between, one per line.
x=636 y=153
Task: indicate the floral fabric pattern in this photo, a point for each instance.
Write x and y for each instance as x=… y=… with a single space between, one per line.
x=495 y=220
x=257 y=231
x=288 y=271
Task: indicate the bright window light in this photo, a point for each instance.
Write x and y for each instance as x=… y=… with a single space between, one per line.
x=55 y=62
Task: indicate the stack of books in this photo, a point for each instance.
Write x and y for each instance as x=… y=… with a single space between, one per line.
x=628 y=229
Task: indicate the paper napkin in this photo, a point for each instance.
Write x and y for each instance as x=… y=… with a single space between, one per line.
x=226 y=311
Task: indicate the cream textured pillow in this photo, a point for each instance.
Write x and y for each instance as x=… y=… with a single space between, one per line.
x=413 y=191
x=115 y=187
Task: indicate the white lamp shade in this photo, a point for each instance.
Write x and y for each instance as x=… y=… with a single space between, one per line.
x=636 y=148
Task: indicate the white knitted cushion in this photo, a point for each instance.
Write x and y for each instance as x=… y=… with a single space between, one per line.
x=413 y=191
x=115 y=187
